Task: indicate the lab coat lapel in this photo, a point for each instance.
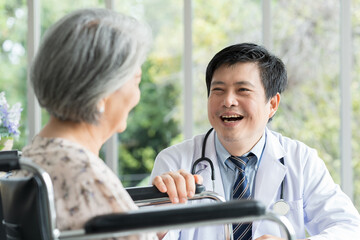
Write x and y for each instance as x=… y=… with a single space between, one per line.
x=271 y=172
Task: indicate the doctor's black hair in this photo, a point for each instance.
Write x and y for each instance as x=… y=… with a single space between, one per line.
x=272 y=69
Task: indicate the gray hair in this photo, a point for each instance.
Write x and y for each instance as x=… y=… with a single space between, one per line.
x=84 y=57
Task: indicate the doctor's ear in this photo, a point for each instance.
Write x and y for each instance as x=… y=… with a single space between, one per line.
x=274 y=104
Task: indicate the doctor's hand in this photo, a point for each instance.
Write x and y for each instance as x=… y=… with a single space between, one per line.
x=179 y=185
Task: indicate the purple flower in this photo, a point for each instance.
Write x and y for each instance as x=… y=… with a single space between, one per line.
x=9 y=118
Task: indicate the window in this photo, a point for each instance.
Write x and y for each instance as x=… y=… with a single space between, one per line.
x=306 y=35
x=306 y=38
x=218 y=24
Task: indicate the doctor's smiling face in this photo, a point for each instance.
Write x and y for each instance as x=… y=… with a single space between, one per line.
x=238 y=108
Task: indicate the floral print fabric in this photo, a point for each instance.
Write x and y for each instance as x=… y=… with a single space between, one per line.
x=83 y=184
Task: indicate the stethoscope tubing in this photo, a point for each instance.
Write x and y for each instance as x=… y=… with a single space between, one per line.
x=203 y=158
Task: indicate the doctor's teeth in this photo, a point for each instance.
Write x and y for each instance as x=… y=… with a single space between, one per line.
x=231 y=116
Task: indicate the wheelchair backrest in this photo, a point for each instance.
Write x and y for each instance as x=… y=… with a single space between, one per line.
x=23 y=216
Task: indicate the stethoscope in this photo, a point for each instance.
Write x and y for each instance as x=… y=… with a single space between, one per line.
x=280 y=207
x=203 y=158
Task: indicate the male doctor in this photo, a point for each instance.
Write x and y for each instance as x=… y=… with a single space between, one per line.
x=244 y=83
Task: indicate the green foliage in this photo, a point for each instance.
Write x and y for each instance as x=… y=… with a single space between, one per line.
x=305 y=35
x=310 y=107
x=13 y=57
x=217 y=24
x=151 y=125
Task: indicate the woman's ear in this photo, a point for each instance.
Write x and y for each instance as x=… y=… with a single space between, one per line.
x=274 y=104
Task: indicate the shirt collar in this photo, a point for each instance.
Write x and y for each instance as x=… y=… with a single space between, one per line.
x=222 y=154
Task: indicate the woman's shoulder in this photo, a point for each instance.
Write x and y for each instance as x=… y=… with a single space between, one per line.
x=43 y=145
x=57 y=154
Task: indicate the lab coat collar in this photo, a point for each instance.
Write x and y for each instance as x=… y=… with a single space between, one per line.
x=222 y=154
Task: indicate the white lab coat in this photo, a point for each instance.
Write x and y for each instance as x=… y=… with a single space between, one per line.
x=317 y=204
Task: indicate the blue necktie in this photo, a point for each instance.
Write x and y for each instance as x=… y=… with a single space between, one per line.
x=241 y=190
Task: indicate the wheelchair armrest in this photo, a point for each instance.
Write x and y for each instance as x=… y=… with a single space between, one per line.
x=151 y=192
x=9 y=160
x=177 y=215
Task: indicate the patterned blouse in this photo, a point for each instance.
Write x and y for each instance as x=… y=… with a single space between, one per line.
x=83 y=184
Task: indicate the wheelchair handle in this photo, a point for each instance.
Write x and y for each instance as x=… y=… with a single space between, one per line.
x=151 y=192
x=9 y=160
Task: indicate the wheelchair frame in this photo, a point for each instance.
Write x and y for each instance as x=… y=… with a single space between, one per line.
x=123 y=224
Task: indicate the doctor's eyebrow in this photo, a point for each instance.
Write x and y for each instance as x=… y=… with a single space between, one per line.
x=217 y=83
x=238 y=83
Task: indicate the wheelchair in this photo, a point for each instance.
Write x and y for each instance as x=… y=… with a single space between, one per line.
x=28 y=210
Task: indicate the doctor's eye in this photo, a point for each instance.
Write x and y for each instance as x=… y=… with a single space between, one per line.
x=243 y=90
x=217 y=90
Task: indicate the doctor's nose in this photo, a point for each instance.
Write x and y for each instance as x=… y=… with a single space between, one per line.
x=230 y=100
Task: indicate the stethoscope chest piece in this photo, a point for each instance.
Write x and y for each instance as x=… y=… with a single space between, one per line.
x=281 y=207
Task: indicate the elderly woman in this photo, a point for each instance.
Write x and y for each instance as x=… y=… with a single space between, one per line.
x=86 y=75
